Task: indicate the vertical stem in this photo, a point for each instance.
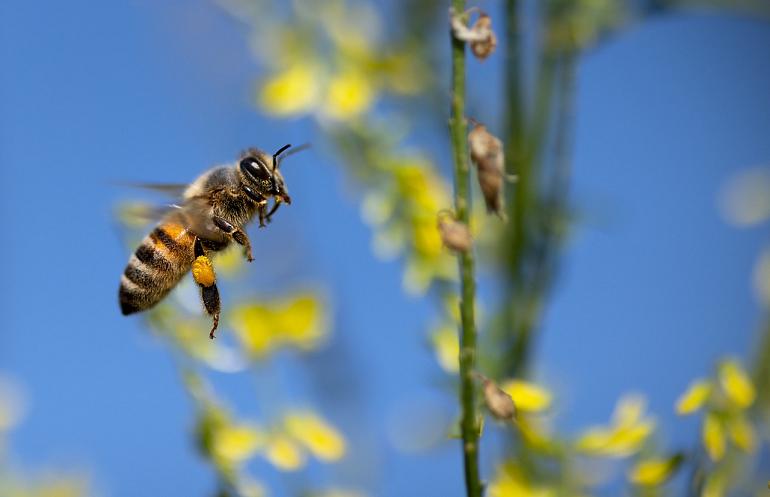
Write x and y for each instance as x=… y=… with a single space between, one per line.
x=458 y=132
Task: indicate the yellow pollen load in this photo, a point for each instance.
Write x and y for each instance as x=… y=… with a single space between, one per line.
x=203 y=271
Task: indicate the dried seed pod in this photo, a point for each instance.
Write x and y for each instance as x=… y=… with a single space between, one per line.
x=487 y=154
x=483 y=47
x=480 y=36
x=499 y=403
x=454 y=234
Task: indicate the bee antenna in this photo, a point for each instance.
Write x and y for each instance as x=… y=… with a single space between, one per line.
x=293 y=151
x=275 y=155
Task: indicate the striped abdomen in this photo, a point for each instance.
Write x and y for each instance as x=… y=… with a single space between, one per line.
x=164 y=256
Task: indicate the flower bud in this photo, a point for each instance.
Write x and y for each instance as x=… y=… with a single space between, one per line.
x=480 y=36
x=487 y=153
x=455 y=235
x=499 y=403
x=487 y=41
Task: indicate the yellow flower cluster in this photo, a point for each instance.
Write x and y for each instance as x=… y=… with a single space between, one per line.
x=48 y=487
x=625 y=435
x=299 y=321
x=403 y=213
x=725 y=400
x=331 y=66
x=511 y=480
x=286 y=445
x=580 y=25
x=652 y=471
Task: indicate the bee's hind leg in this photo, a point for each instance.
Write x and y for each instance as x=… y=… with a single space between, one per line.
x=203 y=273
x=238 y=235
x=210 y=297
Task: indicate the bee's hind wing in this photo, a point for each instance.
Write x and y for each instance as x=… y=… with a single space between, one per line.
x=175 y=190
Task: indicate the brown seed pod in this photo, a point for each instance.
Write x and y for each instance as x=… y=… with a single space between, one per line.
x=480 y=36
x=455 y=235
x=487 y=154
x=499 y=403
x=483 y=47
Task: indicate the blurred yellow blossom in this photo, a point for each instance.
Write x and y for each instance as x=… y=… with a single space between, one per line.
x=348 y=94
x=447 y=347
x=236 y=443
x=511 y=481
x=655 y=470
x=534 y=431
x=694 y=398
x=48 y=486
x=283 y=452
x=736 y=384
x=715 y=485
x=297 y=321
x=741 y=432
x=713 y=437
x=248 y=487
x=336 y=492
x=745 y=198
x=624 y=436
x=319 y=437
x=527 y=396
x=294 y=90
x=189 y=337
x=11 y=403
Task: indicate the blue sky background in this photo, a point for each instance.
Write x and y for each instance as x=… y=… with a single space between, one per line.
x=654 y=288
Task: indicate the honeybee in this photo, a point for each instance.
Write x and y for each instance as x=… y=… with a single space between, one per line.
x=213 y=212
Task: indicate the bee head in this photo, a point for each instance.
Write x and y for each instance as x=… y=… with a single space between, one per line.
x=259 y=173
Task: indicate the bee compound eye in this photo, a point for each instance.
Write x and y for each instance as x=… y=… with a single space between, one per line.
x=256 y=169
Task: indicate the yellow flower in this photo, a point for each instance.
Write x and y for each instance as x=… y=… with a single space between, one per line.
x=298 y=321
x=511 y=481
x=534 y=433
x=320 y=438
x=654 y=471
x=736 y=384
x=348 y=94
x=715 y=485
x=742 y=433
x=284 y=453
x=292 y=91
x=447 y=347
x=626 y=434
x=236 y=443
x=339 y=493
x=527 y=396
x=629 y=410
x=694 y=398
x=301 y=321
x=713 y=437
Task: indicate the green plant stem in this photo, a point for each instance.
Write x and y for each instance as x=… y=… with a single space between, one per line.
x=457 y=127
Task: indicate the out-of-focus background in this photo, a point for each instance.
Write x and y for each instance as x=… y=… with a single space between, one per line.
x=632 y=275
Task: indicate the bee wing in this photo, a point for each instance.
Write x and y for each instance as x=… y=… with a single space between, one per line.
x=138 y=214
x=175 y=190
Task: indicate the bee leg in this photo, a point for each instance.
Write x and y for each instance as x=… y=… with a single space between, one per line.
x=238 y=235
x=262 y=211
x=203 y=273
x=210 y=296
x=276 y=205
